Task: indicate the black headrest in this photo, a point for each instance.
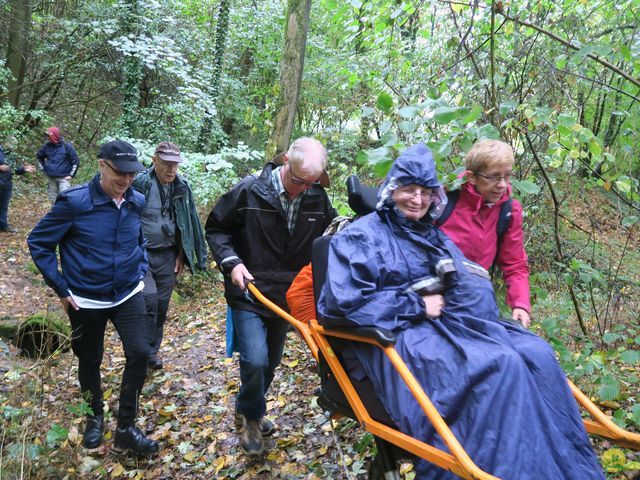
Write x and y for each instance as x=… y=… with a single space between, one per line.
x=319 y=262
x=362 y=198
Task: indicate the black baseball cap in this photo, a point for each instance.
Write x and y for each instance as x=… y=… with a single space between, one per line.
x=122 y=155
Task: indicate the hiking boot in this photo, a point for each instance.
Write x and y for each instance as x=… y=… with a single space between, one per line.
x=155 y=363
x=92 y=437
x=266 y=426
x=251 y=442
x=133 y=440
x=8 y=229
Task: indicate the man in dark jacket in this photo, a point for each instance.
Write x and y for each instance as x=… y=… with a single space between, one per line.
x=262 y=231
x=173 y=233
x=59 y=162
x=98 y=231
x=7 y=168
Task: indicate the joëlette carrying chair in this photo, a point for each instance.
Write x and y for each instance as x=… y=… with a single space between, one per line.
x=343 y=396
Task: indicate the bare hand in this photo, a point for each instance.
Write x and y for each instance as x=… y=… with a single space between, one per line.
x=68 y=178
x=30 y=168
x=522 y=316
x=179 y=263
x=67 y=302
x=239 y=274
x=4 y=168
x=433 y=305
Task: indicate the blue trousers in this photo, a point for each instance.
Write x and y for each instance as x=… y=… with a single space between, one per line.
x=260 y=341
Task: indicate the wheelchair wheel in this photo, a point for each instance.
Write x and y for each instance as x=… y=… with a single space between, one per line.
x=384 y=466
x=378 y=472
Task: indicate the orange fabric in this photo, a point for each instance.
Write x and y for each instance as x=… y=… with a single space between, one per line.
x=300 y=297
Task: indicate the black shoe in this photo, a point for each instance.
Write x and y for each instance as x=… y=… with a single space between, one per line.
x=133 y=440
x=92 y=437
x=155 y=363
x=8 y=229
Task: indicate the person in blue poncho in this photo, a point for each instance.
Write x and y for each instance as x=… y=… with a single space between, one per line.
x=498 y=386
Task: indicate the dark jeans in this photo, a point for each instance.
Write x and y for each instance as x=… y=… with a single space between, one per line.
x=158 y=286
x=260 y=341
x=5 y=198
x=87 y=343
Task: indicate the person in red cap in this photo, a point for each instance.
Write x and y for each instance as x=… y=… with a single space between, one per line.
x=59 y=162
x=174 y=236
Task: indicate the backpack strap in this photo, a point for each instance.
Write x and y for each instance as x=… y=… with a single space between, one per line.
x=452 y=198
x=504 y=222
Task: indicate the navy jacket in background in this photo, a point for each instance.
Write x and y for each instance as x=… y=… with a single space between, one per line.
x=102 y=251
x=58 y=159
x=7 y=158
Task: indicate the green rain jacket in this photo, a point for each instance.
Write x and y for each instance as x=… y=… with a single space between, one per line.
x=192 y=238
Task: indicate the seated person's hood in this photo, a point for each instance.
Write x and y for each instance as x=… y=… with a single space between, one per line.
x=414 y=166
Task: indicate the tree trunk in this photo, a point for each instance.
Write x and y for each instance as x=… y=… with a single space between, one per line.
x=291 y=68
x=222 y=31
x=132 y=72
x=17 y=47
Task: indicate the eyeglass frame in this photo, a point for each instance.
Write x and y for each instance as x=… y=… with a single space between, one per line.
x=495 y=179
x=118 y=172
x=431 y=195
x=299 y=181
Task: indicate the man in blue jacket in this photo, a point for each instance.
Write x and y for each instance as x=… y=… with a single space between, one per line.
x=59 y=162
x=173 y=233
x=7 y=168
x=102 y=254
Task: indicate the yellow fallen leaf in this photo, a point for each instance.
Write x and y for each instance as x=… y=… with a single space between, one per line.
x=405 y=468
x=190 y=456
x=117 y=470
x=219 y=463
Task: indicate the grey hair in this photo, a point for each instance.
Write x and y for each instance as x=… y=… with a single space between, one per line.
x=300 y=146
x=385 y=194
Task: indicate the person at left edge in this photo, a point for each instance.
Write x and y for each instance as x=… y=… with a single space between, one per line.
x=173 y=233
x=7 y=168
x=97 y=228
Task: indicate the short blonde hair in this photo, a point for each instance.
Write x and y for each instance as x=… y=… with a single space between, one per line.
x=489 y=154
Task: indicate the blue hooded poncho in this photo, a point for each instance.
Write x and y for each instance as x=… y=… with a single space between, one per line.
x=498 y=386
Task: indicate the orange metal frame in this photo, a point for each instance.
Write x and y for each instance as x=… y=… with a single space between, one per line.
x=457 y=461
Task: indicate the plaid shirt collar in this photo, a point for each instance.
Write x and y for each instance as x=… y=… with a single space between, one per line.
x=289 y=206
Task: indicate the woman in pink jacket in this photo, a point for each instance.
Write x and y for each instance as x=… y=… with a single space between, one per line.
x=472 y=224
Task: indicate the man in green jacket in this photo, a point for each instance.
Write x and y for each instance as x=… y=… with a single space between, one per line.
x=173 y=233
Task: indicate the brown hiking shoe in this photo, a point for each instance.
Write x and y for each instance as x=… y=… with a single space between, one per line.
x=266 y=426
x=251 y=441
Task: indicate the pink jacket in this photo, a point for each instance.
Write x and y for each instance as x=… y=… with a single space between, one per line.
x=472 y=226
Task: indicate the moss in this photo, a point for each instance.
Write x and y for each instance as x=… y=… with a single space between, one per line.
x=41 y=334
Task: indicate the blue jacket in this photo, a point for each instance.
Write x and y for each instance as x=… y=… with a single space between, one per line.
x=58 y=159
x=8 y=159
x=497 y=385
x=102 y=251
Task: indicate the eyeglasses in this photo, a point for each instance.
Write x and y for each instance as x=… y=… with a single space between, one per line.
x=118 y=172
x=299 y=181
x=495 y=178
x=168 y=165
x=410 y=192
